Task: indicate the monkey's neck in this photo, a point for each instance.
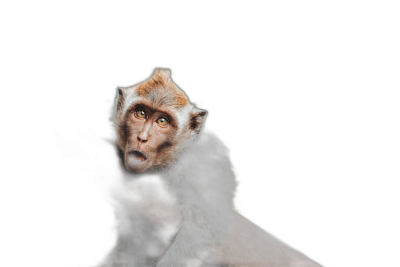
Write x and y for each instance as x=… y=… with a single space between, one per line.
x=146 y=197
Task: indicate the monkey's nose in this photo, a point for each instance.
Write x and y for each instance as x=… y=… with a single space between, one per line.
x=142 y=140
x=137 y=156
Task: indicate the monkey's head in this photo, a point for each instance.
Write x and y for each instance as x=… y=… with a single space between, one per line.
x=154 y=121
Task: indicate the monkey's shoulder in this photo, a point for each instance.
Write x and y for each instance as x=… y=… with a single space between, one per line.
x=210 y=144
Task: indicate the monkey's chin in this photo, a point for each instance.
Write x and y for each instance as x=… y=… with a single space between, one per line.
x=136 y=162
x=136 y=167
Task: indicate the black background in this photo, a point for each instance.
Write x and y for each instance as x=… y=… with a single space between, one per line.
x=288 y=110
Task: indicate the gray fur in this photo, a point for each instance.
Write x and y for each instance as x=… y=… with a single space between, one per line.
x=204 y=183
x=183 y=214
x=128 y=250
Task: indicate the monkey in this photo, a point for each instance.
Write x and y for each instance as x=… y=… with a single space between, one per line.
x=158 y=131
x=174 y=204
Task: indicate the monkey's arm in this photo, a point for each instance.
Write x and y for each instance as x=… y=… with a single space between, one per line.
x=202 y=227
x=198 y=182
x=189 y=248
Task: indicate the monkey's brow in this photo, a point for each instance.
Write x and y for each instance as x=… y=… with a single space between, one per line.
x=151 y=109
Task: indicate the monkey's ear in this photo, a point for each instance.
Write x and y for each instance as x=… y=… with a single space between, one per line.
x=119 y=98
x=120 y=91
x=165 y=74
x=196 y=121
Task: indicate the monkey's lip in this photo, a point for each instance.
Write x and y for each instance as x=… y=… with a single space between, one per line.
x=137 y=155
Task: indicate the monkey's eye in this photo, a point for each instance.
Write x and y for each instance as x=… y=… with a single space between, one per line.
x=140 y=113
x=162 y=121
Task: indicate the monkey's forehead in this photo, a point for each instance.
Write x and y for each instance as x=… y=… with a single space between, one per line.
x=161 y=89
x=155 y=101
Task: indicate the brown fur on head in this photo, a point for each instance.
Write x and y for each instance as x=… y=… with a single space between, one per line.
x=161 y=88
x=140 y=112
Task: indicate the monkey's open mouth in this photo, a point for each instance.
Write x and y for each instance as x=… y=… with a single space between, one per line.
x=137 y=155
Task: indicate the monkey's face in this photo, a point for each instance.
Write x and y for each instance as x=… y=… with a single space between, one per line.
x=150 y=137
x=154 y=121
